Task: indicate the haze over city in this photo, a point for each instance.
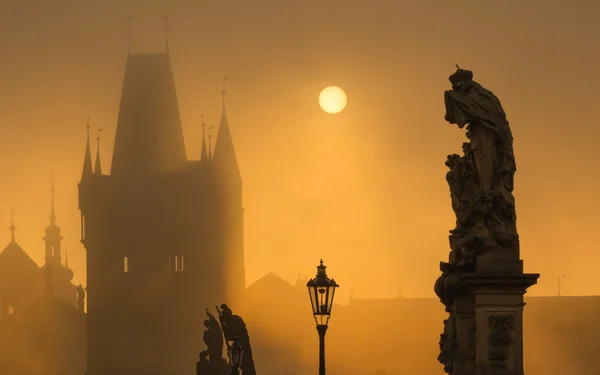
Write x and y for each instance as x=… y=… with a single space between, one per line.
x=364 y=189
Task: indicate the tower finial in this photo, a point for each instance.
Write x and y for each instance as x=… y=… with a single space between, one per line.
x=167 y=29
x=210 y=141
x=12 y=224
x=129 y=31
x=87 y=159
x=98 y=166
x=52 y=192
x=223 y=91
x=203 y=153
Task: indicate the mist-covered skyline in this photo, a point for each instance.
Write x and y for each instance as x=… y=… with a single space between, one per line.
x=364 y=189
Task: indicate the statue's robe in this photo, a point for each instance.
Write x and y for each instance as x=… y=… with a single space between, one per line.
x=489 y=132
x=213 y=338
x=491 y=143
x=234 y=327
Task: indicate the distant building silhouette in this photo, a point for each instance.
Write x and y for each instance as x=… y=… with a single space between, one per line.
x=22 y=281
x=41 y=329
x=164 y=235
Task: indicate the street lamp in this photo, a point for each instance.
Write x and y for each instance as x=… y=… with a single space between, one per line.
x=236 y=354
x=321 y=290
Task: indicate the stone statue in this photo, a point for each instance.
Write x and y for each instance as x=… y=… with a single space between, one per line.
x=234 y=327
x=481 y=181
x=213 y=337
x=202 y=367
x=80 y=297
x=484 y=272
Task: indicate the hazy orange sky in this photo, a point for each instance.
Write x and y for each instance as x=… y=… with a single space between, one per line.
x=364 y=189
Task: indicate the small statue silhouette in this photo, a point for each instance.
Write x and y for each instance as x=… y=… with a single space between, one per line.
x=202 y=364
x=234 y=327
x=213 y=337
x=80 y=297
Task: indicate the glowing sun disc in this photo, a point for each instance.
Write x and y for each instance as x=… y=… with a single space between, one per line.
x=332 y=99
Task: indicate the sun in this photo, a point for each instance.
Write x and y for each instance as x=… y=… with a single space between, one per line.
x=332 y=99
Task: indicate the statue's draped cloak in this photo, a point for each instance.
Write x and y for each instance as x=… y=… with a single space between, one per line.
x=213 y=337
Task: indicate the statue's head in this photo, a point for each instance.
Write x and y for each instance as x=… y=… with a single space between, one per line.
x=466 y=146
x=226 y=310
x=452 y=160
x=207 y=323
x=461 y=79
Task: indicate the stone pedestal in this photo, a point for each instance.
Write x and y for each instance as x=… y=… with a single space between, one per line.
x=498 y=321
x=484 y=331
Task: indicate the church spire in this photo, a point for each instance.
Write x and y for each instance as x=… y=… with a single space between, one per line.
x=87 y=159
x=210 y=142
x=204 y=152
x=52 y=239
x=52 y=191
x=224 y=153
x=98 y=166
x=12 y=225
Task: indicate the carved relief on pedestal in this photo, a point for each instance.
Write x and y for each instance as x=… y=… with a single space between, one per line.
x=500 y=339
x=447 y=346
x=473 y=339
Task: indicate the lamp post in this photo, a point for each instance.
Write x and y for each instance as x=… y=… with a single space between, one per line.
x=236 y=354
x=321 y=290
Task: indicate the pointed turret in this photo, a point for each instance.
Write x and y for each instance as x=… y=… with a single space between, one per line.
x=87 y=159
x=224 y=154
x=149 y=137
x=98 y=165
x=204 y=152
x=210 y=153
x=52 y=239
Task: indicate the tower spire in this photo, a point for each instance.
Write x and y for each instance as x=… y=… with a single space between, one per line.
x=98 y=166
x=210 y=141
x=12 y=224
x=223 y=92
x=52 y=211
x=224 y=153
x=129 y=31
x=87 y=159
x=167 y=29
x=203 y=153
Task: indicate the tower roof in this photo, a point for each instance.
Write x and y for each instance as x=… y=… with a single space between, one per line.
x=98 y=165
x=14 y=260
x=87 y=159
x=224 y=154
x=149 y=138
x=204 y=151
